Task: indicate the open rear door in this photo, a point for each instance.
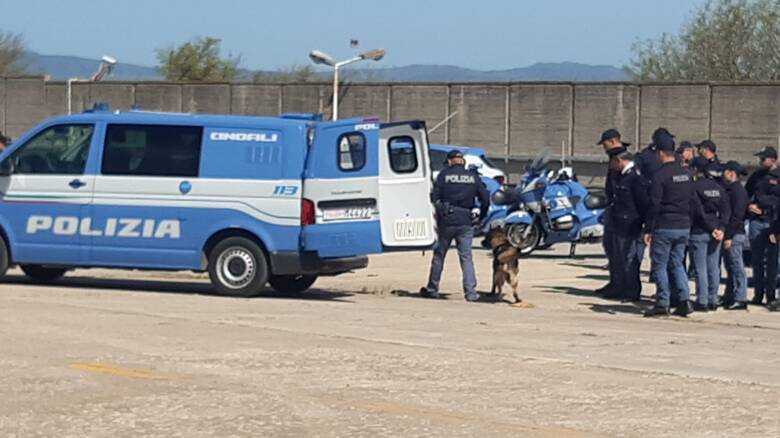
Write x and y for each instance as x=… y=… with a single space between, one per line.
x=405 y=184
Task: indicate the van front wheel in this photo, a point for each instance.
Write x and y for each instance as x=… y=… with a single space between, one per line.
x=238 y=268
x=43 y=274
x=291 y=283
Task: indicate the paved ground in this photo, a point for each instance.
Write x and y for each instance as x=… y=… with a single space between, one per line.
x=158 y=356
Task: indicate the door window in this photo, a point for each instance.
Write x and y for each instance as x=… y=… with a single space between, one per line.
x=152 y=150
x=352 y=152
x=403 y=154
x=58 y=150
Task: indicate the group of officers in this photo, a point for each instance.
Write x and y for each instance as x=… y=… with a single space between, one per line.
x=682 y=203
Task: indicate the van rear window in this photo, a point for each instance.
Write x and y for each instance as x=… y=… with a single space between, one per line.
x=352 y=151
x=403 y=154
x=152 y=150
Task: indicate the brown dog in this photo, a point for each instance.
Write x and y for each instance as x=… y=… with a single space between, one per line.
x=505 y=263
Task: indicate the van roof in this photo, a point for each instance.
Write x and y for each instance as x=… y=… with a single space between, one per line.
x=467 y=150
x=233 y=121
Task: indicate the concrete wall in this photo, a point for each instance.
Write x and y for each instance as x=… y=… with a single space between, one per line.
x=511 y=120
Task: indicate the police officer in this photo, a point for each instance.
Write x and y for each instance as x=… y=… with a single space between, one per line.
x=4 y=142
x=762 y=211
x=629 y=207
x=707 y=232
x=708 y=150
x=735 y=296
x=454 y=193
x=646 y=160
x=610 y=141
x=685 y=154
x=667 y=228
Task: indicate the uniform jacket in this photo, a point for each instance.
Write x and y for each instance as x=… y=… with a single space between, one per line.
x=673 y=201
x=454 y=194
x=738 y=200
x=630 y=202
x=715 y=207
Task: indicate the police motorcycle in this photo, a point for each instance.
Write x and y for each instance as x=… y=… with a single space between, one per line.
x=546 y=208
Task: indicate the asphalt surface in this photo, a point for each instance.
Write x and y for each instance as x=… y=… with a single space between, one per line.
x=121 y=353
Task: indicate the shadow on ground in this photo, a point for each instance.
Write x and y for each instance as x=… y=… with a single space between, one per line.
x=172 y=287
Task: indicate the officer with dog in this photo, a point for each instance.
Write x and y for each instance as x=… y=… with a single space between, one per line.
x=454 y=194
x=667 y=227
x=629 y=207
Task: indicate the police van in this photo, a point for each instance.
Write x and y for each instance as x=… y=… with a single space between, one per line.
x=250 y=200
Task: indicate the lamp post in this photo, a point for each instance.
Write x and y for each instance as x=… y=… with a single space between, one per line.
x=322 y=58
x=106 y=66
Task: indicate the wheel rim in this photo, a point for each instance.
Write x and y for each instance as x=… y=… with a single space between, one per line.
x=236 y=267
x=515 y=235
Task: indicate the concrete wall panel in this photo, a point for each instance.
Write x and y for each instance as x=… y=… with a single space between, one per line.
x=540 y=117
x=601 y=107
x=206 y=98
x=421 y=102
x=119 y=96
x=745 y=119
x=363 y=101
x=682 y=109
x=25 y=104
x=258 y=100
x=158 y=97
x=481 y=117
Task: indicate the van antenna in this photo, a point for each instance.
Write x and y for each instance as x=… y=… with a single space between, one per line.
x=440 y=124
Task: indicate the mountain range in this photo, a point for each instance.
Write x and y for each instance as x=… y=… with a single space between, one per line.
x=59 y=67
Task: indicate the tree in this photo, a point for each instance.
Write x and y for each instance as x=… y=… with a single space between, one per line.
x=726 y=40
x=197 y=60
x=12 y=49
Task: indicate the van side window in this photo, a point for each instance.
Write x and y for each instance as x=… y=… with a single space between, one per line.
x=60 y=150
x=152 y=150
x=352 y=151
x=403 y=154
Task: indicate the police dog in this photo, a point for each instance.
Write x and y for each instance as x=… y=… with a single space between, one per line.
x=505 y=263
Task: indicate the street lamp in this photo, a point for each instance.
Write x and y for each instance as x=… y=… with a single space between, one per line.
x=322 y=58
x=107 y=64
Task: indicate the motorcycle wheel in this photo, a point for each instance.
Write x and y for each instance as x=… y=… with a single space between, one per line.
x=528 y=244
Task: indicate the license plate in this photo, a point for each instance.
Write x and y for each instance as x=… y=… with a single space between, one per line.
x=347 y=213
x=411 y=229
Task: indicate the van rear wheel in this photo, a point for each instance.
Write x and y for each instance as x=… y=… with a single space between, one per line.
x=4 y=257
x=43 y=274
x=238 y=268
x=292 y=283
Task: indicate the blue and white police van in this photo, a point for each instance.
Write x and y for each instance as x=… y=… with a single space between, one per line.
x=250 y=200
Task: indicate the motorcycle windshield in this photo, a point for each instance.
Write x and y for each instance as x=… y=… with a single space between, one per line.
x=540 y=162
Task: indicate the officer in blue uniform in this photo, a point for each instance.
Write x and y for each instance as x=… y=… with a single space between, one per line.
x=735 y=297
x=707 y=232
x=762 y=211
x=610 y=141
x=454 y=195
x=629 y=206
x=667 y=228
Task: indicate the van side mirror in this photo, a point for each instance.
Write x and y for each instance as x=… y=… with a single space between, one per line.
x=6 y=167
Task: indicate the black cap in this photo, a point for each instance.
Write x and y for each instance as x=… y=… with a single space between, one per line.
x=735 y=167
x=454 y=154
x=767 y=152
x=663 y=142
x=659 y=132
x=707 y=144
x=610 y=134
x=4 y=140
x=699 y=163
x=616 y=151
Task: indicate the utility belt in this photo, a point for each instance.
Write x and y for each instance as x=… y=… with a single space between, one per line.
x=445 y=209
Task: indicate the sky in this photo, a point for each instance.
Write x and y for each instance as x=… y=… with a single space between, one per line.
x=484 y=34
